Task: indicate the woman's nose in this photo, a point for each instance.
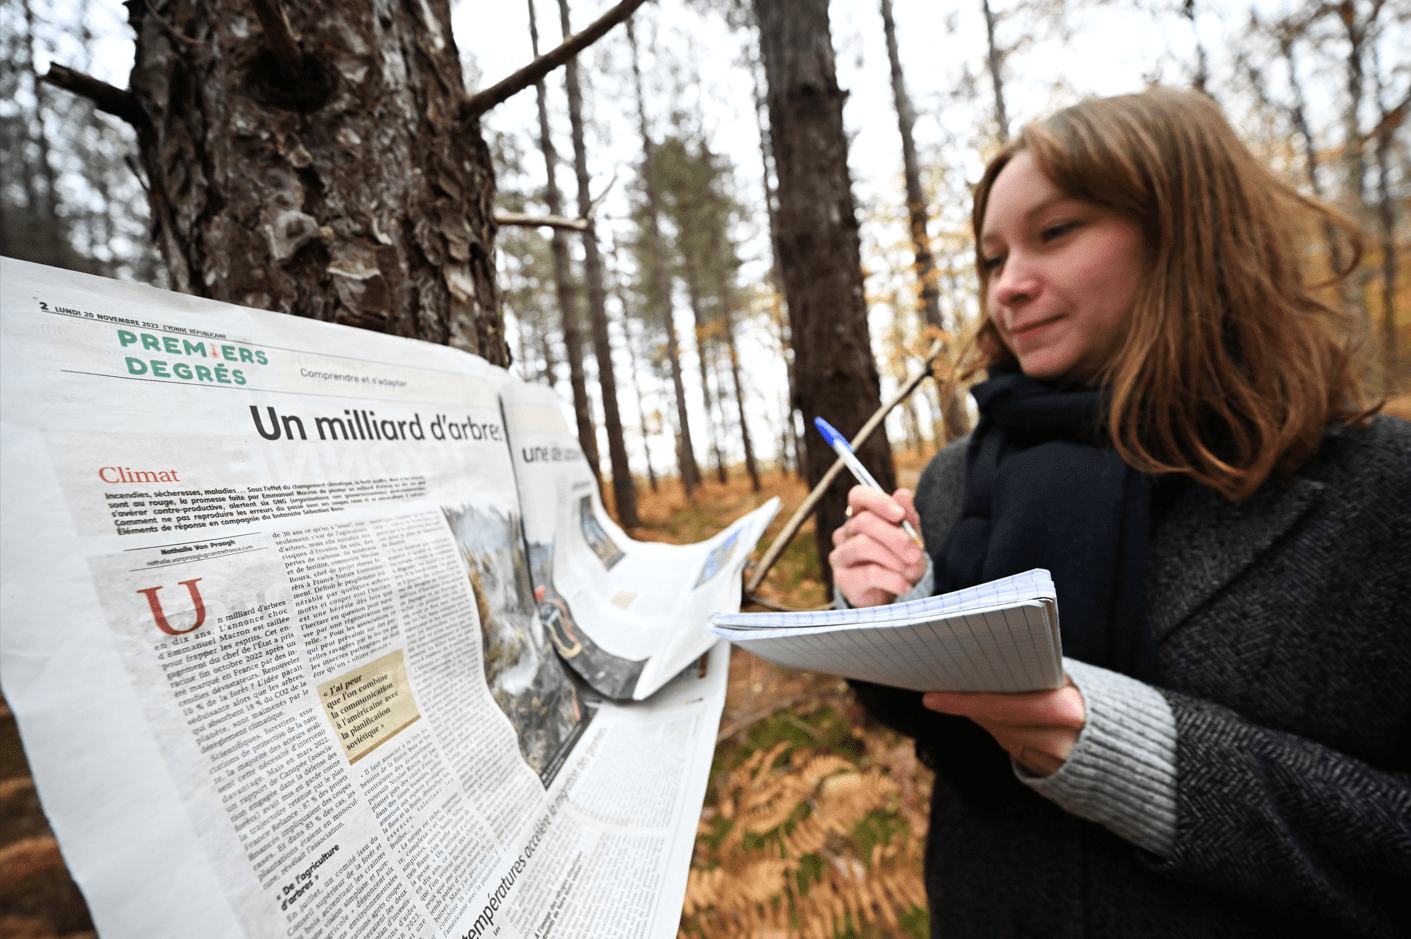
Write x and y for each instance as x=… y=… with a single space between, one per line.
x=1015 y=283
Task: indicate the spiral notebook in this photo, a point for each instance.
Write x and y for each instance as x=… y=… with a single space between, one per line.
x=998 y=636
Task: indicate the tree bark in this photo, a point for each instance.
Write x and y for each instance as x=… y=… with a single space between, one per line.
x=685 y=453
x=350 y=193
x=563 y=280
x=819 y=250
x=624 y=492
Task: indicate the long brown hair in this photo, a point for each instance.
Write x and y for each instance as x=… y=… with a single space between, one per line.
x=1232 y=365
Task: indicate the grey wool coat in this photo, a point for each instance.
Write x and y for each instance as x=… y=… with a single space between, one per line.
x=1283 y=623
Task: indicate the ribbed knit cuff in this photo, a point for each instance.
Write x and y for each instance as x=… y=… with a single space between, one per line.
x=1122 y=771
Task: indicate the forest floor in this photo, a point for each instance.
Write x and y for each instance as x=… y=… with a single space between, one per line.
x=814 y=816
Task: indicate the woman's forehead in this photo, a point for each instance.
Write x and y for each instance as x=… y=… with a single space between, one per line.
x=1019 y=192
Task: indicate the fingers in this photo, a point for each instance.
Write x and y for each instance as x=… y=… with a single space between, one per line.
x=1040 y=764
x=1038 y=729
x=907 y=501
x=1057 y=742
x=865 y=499
x=1061 y=707
x=866 y=540
x=879 y=516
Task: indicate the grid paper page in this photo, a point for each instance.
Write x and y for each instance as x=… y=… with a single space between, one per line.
x=998 y=637
x=1030 y=585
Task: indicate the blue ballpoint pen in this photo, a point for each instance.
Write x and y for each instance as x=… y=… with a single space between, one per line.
x=841 y=447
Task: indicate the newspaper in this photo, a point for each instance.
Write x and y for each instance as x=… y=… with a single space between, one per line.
x=273 y=638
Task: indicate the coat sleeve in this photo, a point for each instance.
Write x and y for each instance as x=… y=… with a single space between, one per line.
x=1289 y=823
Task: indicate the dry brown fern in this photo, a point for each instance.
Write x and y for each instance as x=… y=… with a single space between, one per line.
x=786 y=862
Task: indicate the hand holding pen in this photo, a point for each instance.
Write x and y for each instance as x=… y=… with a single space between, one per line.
x=877 y=553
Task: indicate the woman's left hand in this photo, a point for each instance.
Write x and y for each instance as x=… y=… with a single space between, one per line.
x=1037 y=729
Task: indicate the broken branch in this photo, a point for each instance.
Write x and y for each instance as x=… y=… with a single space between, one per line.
x=483 y=101
x=107 y=98
x=535 y=221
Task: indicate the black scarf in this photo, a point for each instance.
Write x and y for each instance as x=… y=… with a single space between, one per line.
x=1041 y=490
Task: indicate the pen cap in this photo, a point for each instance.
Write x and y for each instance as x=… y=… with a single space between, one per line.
x=829 y=434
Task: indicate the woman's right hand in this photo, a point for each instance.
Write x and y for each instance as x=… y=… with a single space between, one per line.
x=874 y=560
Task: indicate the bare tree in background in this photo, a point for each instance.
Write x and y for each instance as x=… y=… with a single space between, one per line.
x=819 y=255
x=789 y=443
x=624 y=493
x=929 y=293
x=563 y=278
x=686 y=454
x=994 y=60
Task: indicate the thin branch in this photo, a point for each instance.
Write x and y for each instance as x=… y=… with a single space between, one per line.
x=594 y=203
x=282 y=44
x=169 y=27
x=768 y=604
x=805 y=510
x=107 y=98
x=536 y=221
x=483 y=101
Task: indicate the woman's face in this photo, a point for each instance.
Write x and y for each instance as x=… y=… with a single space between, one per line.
x=1063 y=273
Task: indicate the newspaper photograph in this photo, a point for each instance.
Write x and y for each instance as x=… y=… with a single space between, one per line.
x=606 y=594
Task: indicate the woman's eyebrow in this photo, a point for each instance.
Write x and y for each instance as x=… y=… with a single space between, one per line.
x=988 y=235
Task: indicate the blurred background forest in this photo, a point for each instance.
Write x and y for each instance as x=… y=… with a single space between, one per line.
x=1319 y=89
x=641 y=197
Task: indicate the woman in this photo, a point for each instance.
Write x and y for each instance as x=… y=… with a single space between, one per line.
x=1172 y=425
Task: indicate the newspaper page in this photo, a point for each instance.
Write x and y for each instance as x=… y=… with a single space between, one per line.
x=271 y=639
x=602 y=595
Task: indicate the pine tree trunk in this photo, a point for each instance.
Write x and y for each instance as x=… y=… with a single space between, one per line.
x=641 y=407
x=346 y=189
x=636 y=373
x=995 y=61
x=1298 y=114
x=693 y=292
x=789 y=444
x=720 y=469
x=624 y=493
x=1386 y=218
x=685 y=453
x=819 y=252
x=728 y=322
x=929 y=291
x=563 y=280
x=929 y=298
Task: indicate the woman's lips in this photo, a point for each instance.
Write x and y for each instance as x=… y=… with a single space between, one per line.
x=1028 y=330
